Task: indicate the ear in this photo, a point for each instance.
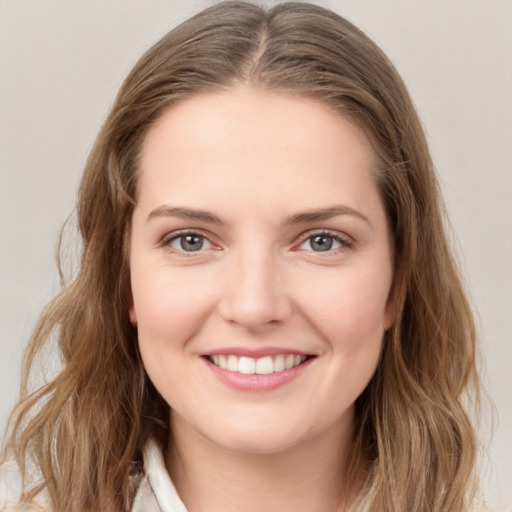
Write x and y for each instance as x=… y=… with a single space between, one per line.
x=133 y=316
x=131 y=305
x=390 y=309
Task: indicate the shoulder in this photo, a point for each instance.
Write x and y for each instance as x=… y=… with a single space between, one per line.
x=490 y=508
x=10 y=491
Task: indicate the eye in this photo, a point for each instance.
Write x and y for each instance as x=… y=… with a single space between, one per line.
x=325 y=242
x=189 y=242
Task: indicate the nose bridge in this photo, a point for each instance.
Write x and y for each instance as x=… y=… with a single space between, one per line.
x=255 y=293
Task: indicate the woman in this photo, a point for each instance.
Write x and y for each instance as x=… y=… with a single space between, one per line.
x=267 y=311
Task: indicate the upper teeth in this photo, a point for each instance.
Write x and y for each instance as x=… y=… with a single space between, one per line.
x=260 y=366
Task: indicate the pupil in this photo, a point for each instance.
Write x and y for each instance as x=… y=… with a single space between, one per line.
x=191 y=242
x=321 y=243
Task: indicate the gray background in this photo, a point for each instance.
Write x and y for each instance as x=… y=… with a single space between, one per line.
x=61 y=62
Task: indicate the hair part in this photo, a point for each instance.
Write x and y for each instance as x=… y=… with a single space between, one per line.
x=85 y=429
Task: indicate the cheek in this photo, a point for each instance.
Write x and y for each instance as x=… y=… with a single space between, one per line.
x=168 y=305
x=169 y=309
x=349 y=308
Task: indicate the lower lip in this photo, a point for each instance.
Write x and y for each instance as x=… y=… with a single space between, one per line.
x=256 y=382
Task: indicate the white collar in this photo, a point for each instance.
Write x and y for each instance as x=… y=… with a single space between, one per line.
x=156 y=492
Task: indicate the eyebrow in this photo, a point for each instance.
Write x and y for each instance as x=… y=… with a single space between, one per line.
x=324 y=214
x=298 y=218
x=184 y=213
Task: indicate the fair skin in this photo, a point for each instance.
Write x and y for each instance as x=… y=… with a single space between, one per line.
x=259 y=244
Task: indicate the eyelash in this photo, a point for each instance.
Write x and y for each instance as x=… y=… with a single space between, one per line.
x=167 y=241
x=345 y=242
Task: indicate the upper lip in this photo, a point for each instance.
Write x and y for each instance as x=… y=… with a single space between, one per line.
x=255 y=352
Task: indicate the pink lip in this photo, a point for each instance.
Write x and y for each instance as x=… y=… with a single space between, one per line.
x=255 y=382
x=254 y=352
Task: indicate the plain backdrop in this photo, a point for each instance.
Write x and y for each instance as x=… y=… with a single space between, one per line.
x=61 y=62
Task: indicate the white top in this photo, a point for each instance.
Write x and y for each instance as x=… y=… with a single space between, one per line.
x=156 y=492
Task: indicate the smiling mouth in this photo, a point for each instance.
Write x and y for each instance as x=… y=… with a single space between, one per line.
x=257 y=366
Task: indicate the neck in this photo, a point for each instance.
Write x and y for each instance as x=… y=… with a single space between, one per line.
x=309 y=477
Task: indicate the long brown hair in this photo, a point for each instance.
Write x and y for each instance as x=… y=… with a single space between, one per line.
x=84 y=429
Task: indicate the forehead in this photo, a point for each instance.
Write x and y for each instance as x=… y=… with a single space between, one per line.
x=274 y=122
x=283 y=146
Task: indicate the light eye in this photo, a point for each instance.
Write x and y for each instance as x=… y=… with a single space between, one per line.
x=190 y=242
x=321 y=242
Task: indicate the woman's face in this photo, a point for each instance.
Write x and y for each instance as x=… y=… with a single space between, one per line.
x=261 y=268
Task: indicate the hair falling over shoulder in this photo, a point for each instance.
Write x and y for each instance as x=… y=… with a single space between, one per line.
x=84 y=430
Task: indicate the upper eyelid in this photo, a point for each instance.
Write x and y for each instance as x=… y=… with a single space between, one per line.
x=171 y=235
x=328 y=232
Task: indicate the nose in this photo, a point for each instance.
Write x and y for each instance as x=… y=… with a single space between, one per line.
x=255 y=295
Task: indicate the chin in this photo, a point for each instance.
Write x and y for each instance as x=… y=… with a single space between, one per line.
x=257 y=437
x=264 y=445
